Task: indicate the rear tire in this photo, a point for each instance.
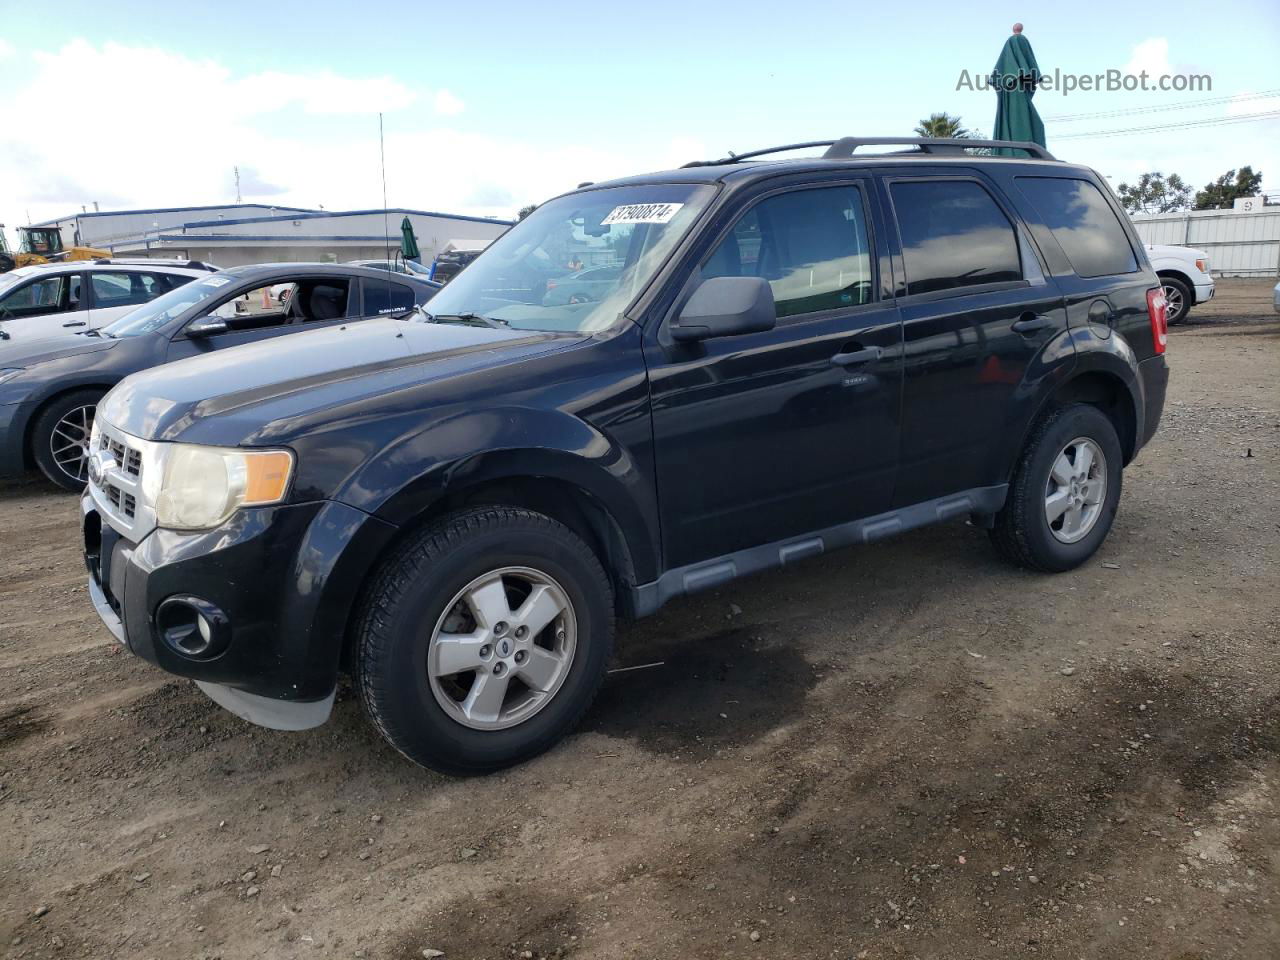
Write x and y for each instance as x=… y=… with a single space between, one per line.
x=1179 y=296
x=1064 y=493
x=460 y=594
x=60 y=438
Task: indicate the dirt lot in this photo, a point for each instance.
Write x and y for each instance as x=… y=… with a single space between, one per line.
x=907 y=750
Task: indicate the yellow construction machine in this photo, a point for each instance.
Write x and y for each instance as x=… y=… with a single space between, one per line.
x=42 y=245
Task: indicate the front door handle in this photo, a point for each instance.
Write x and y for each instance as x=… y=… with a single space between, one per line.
x=1031 y=323
x=74 y=323
x=852 y=358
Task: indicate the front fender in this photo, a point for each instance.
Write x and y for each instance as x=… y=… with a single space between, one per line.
x=471 y=448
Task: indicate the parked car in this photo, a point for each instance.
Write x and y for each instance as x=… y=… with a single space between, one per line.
x=449 y=264
x=582 y=286
x=1275 y=298
x=48 y=299
x=399 y=265
x=1184 y=271
x=50 y=388
x=795 y=356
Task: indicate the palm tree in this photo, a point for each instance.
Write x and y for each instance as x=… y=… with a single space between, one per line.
x=942 y=125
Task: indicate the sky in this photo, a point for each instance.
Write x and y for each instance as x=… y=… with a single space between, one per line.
x=488 y=106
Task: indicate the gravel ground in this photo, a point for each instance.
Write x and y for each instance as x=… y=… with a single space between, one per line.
x=902 y=750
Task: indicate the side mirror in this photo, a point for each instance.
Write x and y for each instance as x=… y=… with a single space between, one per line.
x=207 y=327
x=726 y=307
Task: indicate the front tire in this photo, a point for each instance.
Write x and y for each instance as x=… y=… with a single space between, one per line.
x=483 y=639
x=1179 y=297
x=1064 y=493
x=60 y=438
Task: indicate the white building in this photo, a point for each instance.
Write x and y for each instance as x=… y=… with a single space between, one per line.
x=257 y=233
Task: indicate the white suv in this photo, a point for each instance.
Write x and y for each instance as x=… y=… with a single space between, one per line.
x=1184 y=272
x=56 y=298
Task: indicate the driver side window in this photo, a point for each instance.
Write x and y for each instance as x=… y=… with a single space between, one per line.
x=44 y=296
x=265 y=306
x=811 y=245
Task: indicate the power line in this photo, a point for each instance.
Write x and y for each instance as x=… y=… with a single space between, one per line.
x=1160 y=108
x=1167 y=127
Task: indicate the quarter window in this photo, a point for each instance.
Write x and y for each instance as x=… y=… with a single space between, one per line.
x=381 y=296
x=954 y=235
x=811 y=245
x=1083 y=223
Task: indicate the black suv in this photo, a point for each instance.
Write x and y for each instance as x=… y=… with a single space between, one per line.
x=792 y=356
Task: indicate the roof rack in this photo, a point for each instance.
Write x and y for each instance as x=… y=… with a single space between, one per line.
x=159 y=261
x=844 y=148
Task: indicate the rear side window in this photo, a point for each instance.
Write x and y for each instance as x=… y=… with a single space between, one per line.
x=1083 y=223
x=381 y=296
x=811 y=245
x=954 y=235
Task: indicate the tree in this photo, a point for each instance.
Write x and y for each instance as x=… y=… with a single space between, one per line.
x=1222 y=193
x=525 y=211
x=1155 y=193
x=942 y=125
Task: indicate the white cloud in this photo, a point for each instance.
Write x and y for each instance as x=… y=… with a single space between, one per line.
x=6 y=49
x=322 y=93
x=1151 y=55
x=177 y=144
x=447 y=104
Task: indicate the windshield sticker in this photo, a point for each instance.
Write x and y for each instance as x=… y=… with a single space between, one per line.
x=642 y=213
x=217 y=281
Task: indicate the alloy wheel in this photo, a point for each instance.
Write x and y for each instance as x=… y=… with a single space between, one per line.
x=1076 y=490
x=69 y=442
x=502 y=648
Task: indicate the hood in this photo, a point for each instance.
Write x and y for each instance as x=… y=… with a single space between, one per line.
x=27 y=351
x=227 y=395
x=1175 y=252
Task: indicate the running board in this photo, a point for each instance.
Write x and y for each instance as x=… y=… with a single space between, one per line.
x=704 y=575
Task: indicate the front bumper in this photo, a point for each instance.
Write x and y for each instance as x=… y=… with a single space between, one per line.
x=1204 y=292
x=284 y=577
x=1153 y=374
x=14 y=418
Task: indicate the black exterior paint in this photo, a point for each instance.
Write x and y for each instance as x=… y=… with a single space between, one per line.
x=756 y=448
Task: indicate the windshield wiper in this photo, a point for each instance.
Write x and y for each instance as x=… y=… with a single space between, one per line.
x=471 y=319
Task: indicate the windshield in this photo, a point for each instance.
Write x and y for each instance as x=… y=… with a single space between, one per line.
x=150 y=317
x=14 y=277
x=576 y=262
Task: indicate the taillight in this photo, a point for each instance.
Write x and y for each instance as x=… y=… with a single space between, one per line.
x=1158 y=311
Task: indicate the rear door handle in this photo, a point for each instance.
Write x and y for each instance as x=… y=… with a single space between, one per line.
x=1031 y=323
x=852 y=358
x=74 y=323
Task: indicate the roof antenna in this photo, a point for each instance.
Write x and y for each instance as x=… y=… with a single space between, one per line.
x=386 y=223
x=382 y=153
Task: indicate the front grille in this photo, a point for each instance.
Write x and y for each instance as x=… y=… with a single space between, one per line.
x=124 y=502
x=118 y=489
x=128 y=457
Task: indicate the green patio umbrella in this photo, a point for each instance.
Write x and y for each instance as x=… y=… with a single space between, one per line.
x=408 y=242
x=1014 y=80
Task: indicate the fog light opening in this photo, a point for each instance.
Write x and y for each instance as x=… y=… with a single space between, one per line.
x=192 y=628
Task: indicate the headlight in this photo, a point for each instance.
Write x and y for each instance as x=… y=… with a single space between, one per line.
x=9 y=373
x=1202 y=265
x=203 y=486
